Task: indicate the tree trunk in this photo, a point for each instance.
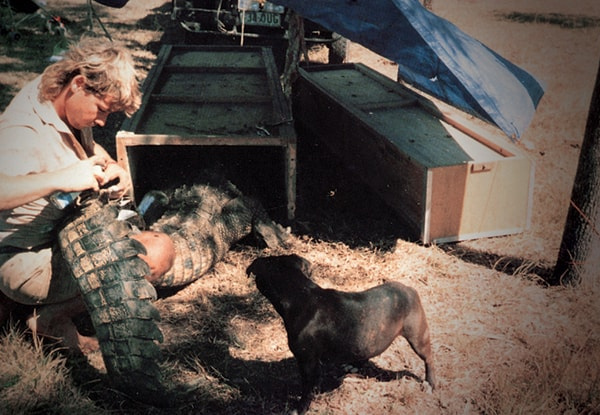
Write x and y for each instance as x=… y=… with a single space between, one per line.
x=580 y=247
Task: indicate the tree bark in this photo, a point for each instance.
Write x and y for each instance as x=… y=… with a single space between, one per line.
x=580 y=247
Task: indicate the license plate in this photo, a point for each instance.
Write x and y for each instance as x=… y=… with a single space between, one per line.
x=258 y=18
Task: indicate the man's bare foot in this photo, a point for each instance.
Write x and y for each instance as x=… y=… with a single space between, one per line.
x=73 y=340
x=64 y=331
x=55 y=321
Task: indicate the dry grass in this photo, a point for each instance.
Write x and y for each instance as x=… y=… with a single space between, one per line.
x=566 y=21
x=504 y=343
x=34 y=379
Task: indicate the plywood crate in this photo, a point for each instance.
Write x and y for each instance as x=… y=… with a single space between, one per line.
x=213 y=107
x=448 y=175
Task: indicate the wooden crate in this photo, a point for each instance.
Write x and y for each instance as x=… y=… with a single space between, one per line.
x=449 y=176
x=213 y=107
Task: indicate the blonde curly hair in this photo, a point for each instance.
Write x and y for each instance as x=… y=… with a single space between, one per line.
x=107 y=67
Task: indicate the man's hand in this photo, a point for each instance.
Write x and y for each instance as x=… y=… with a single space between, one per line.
x=83 y=175
x=115 y=173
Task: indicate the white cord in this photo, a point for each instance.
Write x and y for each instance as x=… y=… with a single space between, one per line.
x=243 y=26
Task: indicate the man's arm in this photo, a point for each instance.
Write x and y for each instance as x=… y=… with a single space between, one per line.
x=18 y=190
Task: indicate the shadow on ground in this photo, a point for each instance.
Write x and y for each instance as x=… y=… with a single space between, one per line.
x=507 y=264
x=216 y=381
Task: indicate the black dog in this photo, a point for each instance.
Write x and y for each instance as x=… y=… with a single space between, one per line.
x=329 y=326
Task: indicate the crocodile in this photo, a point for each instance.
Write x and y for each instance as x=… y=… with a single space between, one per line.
x=203 y=220
x=111 y=277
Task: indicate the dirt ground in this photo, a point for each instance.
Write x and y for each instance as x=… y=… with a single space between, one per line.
x=503 y=342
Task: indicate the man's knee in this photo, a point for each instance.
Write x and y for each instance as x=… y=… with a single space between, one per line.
x=160 y=252
x=37 y=277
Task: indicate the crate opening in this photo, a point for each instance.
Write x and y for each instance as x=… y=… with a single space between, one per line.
x=254 y=170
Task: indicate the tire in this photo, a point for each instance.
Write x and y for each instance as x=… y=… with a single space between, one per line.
x=110 y=275
x=338 y=49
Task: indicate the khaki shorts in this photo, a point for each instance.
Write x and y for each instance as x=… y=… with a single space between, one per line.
x=37 y=277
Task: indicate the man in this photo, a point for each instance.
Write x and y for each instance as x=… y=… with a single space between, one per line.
x=47 y=151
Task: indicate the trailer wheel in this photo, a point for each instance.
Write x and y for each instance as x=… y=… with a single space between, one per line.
x=14 y=36
x=338 y=49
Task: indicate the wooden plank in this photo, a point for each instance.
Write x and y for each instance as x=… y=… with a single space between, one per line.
x=130 y=124
x=290 y=179
x=217 y=56
x=385 y=105
x=447 y=193
x=355 y=87
x=215 y=85
x=211 y=69
x=194 y=119
x=282 y=109
x=128 y=139
x=228 y=99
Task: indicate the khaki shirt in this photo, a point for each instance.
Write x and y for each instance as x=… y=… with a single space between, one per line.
x=33 y=139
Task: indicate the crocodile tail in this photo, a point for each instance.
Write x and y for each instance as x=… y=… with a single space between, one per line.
x=110 y=275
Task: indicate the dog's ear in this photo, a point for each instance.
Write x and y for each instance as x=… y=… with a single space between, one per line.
x=254 y=267
x=303 y=265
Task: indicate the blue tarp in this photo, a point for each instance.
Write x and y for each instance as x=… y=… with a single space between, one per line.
x=433 y=55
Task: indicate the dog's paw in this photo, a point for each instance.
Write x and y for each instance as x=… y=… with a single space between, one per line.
x=348 y=368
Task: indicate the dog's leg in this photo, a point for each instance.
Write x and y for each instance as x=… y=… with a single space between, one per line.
x=416 y=333
x=310 y=374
